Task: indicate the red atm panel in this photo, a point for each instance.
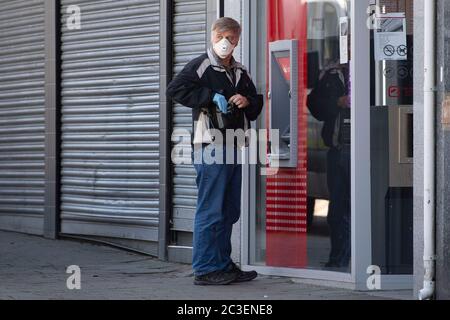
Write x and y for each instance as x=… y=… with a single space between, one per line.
x=286 y=191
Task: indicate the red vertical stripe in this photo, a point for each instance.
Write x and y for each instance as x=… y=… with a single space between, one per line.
x=286 y=233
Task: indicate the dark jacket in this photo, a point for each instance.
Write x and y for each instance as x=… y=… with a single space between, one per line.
x=323 y=104
x=203 y=77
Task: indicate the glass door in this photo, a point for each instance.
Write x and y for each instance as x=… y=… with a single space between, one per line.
x=391 y=137
x=302 y=218
x=335 y=202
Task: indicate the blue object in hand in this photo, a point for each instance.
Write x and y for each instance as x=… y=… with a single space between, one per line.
x=221 y=102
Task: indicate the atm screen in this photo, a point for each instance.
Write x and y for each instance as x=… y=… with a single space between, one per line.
x=284 y=63
x=281 y=85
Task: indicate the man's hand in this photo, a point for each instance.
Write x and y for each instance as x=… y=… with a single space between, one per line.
x=240 y=101
x=344 y=102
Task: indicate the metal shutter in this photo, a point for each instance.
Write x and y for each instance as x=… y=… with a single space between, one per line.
x=189 y=42
x=110 y=122
x=22 y=115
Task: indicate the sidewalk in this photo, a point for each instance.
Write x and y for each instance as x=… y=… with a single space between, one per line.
x=35 y=268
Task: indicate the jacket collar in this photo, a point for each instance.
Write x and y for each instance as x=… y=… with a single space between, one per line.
x=217 y=62
x=335 y=67
x=217 y=65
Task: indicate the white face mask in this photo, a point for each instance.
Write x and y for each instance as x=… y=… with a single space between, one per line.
x=223 y=48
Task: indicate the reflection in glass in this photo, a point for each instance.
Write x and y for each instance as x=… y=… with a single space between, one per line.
x=391 y=142
x=327 y=117
x=329 y=124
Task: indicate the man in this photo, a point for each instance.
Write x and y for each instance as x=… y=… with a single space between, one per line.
x=330 y=102
x=217 y=87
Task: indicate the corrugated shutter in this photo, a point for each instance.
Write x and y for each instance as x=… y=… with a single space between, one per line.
x=110 y=124
x=22 y=115
x=189 y=42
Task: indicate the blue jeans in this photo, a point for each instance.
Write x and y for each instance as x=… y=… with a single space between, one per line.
x=218 y=209
x=338 y=173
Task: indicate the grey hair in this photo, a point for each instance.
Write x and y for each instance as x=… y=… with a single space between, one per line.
x=227 y=24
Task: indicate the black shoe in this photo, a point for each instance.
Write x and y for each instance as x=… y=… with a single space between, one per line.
x=216 y=278
x=242 y=276
x=336 y=266
x=331 y=264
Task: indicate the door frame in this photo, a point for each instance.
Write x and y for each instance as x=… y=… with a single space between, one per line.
x=361 y=229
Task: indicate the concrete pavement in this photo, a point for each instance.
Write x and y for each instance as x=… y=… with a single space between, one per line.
x=35 y=268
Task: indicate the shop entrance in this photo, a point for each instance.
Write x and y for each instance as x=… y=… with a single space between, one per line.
x=338 y=205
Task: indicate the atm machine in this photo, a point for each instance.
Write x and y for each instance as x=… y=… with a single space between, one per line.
x=283 y=99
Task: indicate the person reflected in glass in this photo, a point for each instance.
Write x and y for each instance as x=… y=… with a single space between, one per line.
x=329 y=102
